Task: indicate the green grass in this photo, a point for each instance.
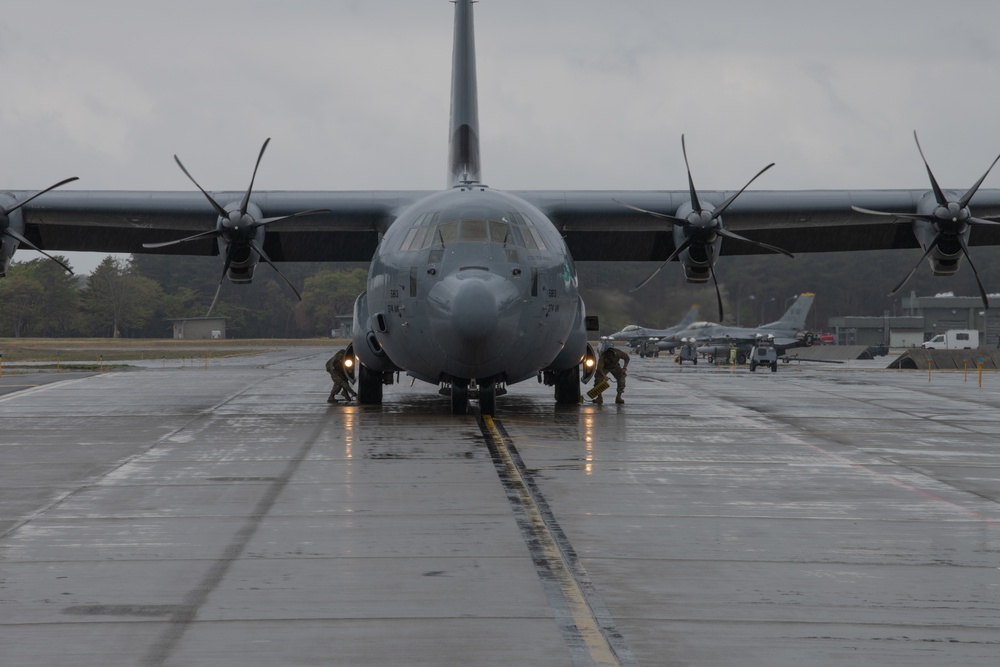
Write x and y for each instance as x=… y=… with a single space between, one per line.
x=55 y=351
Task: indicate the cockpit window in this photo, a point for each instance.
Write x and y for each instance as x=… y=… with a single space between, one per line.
x=447 y=233
x=500 y=233
x=419 y=235
x=512 y=229
x=475 y=231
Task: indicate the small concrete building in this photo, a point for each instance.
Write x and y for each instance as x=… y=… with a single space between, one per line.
x=926 y=317
x=904 y=331
x=343 y=328
x=947 y=311
x=200 y=328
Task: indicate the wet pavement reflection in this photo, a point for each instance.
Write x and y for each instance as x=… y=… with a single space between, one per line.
x=228 y=515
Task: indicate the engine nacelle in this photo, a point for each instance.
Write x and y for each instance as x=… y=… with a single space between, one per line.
x=697 y=258
x=13 y=221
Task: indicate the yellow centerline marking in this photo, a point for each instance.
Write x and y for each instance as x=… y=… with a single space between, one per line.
x=590 y=632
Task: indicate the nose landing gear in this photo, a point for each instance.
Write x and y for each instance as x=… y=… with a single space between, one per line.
x=485 y=391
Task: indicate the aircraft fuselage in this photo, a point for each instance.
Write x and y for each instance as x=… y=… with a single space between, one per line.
x=472 y=284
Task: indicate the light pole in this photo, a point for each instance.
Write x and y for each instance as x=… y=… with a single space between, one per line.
x=750 y=298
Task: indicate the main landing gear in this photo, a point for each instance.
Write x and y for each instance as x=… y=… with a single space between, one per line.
x=567 y=385
x=370 y=385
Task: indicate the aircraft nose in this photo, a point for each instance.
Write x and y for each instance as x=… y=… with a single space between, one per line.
x=474 y=317
x=475 y=308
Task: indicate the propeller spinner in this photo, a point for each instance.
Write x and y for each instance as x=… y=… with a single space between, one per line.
x=238 y=227
x=950 y=220
x=6 y=230
x=702 y=227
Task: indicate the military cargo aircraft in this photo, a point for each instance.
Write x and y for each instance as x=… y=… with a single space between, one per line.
x=473 y=288
x=716 y=340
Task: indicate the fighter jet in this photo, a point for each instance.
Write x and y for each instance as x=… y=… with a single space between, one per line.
x=715 y=340
x=472 y=288
x=633 y=332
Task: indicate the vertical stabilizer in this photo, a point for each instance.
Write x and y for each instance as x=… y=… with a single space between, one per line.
x=795 y=316
x=463 y=135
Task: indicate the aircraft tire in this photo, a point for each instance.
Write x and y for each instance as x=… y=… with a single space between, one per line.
x=753 y=366
x=369 y=386
x=488 y=399
x=459 y=398
x=774 y=367
x=568 y=387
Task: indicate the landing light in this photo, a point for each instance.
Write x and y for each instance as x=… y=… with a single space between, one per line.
x=348 y=362
x=589 y=362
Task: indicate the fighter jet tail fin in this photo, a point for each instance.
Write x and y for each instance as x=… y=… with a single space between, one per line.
x=795 y=316
x=463 y=135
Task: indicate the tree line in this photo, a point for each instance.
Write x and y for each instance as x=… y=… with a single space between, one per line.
x=138 y=296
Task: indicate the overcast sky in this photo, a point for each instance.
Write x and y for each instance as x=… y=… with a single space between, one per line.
x=574 y=94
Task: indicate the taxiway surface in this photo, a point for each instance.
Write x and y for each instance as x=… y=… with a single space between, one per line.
x=229 y=516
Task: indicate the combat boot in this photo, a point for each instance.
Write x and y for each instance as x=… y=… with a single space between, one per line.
x=619 y=399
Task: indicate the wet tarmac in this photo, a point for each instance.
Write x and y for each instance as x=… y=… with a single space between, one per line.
x=227 y=515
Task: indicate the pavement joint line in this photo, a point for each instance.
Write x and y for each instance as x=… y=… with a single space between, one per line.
x=96 y=481
x=181 y=619
x=34 y=389
x=577 y=608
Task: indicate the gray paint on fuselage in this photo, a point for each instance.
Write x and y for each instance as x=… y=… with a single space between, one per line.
x=499 y=305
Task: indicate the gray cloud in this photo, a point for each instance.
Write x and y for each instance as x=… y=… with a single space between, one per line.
x=574 y=93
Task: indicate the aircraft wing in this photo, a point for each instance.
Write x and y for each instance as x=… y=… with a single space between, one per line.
x=598 y=229
x=594 y=226
x=121 y=221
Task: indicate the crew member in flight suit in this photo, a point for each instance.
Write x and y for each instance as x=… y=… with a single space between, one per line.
x=609 y=363
x=335 y=367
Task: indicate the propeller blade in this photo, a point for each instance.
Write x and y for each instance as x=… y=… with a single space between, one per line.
x=903 y=216
x=722 y=231
x=225 y=270
x=267 y=260
x=938 y=194
x=982 y=221
x=681 y=248
x=718 y=294
x=218 y=209
x=663 y=216
x=964 y=201
x=695 y=204
x=200 y=235
x=214 y=299
x=38 y=194
x=22 y=240
x=916 y=266
x=724 y=205
x=246 y=197
x=982 y=290
x=268 y=221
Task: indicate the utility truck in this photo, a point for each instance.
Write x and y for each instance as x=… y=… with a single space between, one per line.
x=954 y=339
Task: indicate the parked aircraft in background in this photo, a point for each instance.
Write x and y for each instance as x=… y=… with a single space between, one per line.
x=472 y=288
x=715 y=340
x=633 y=332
